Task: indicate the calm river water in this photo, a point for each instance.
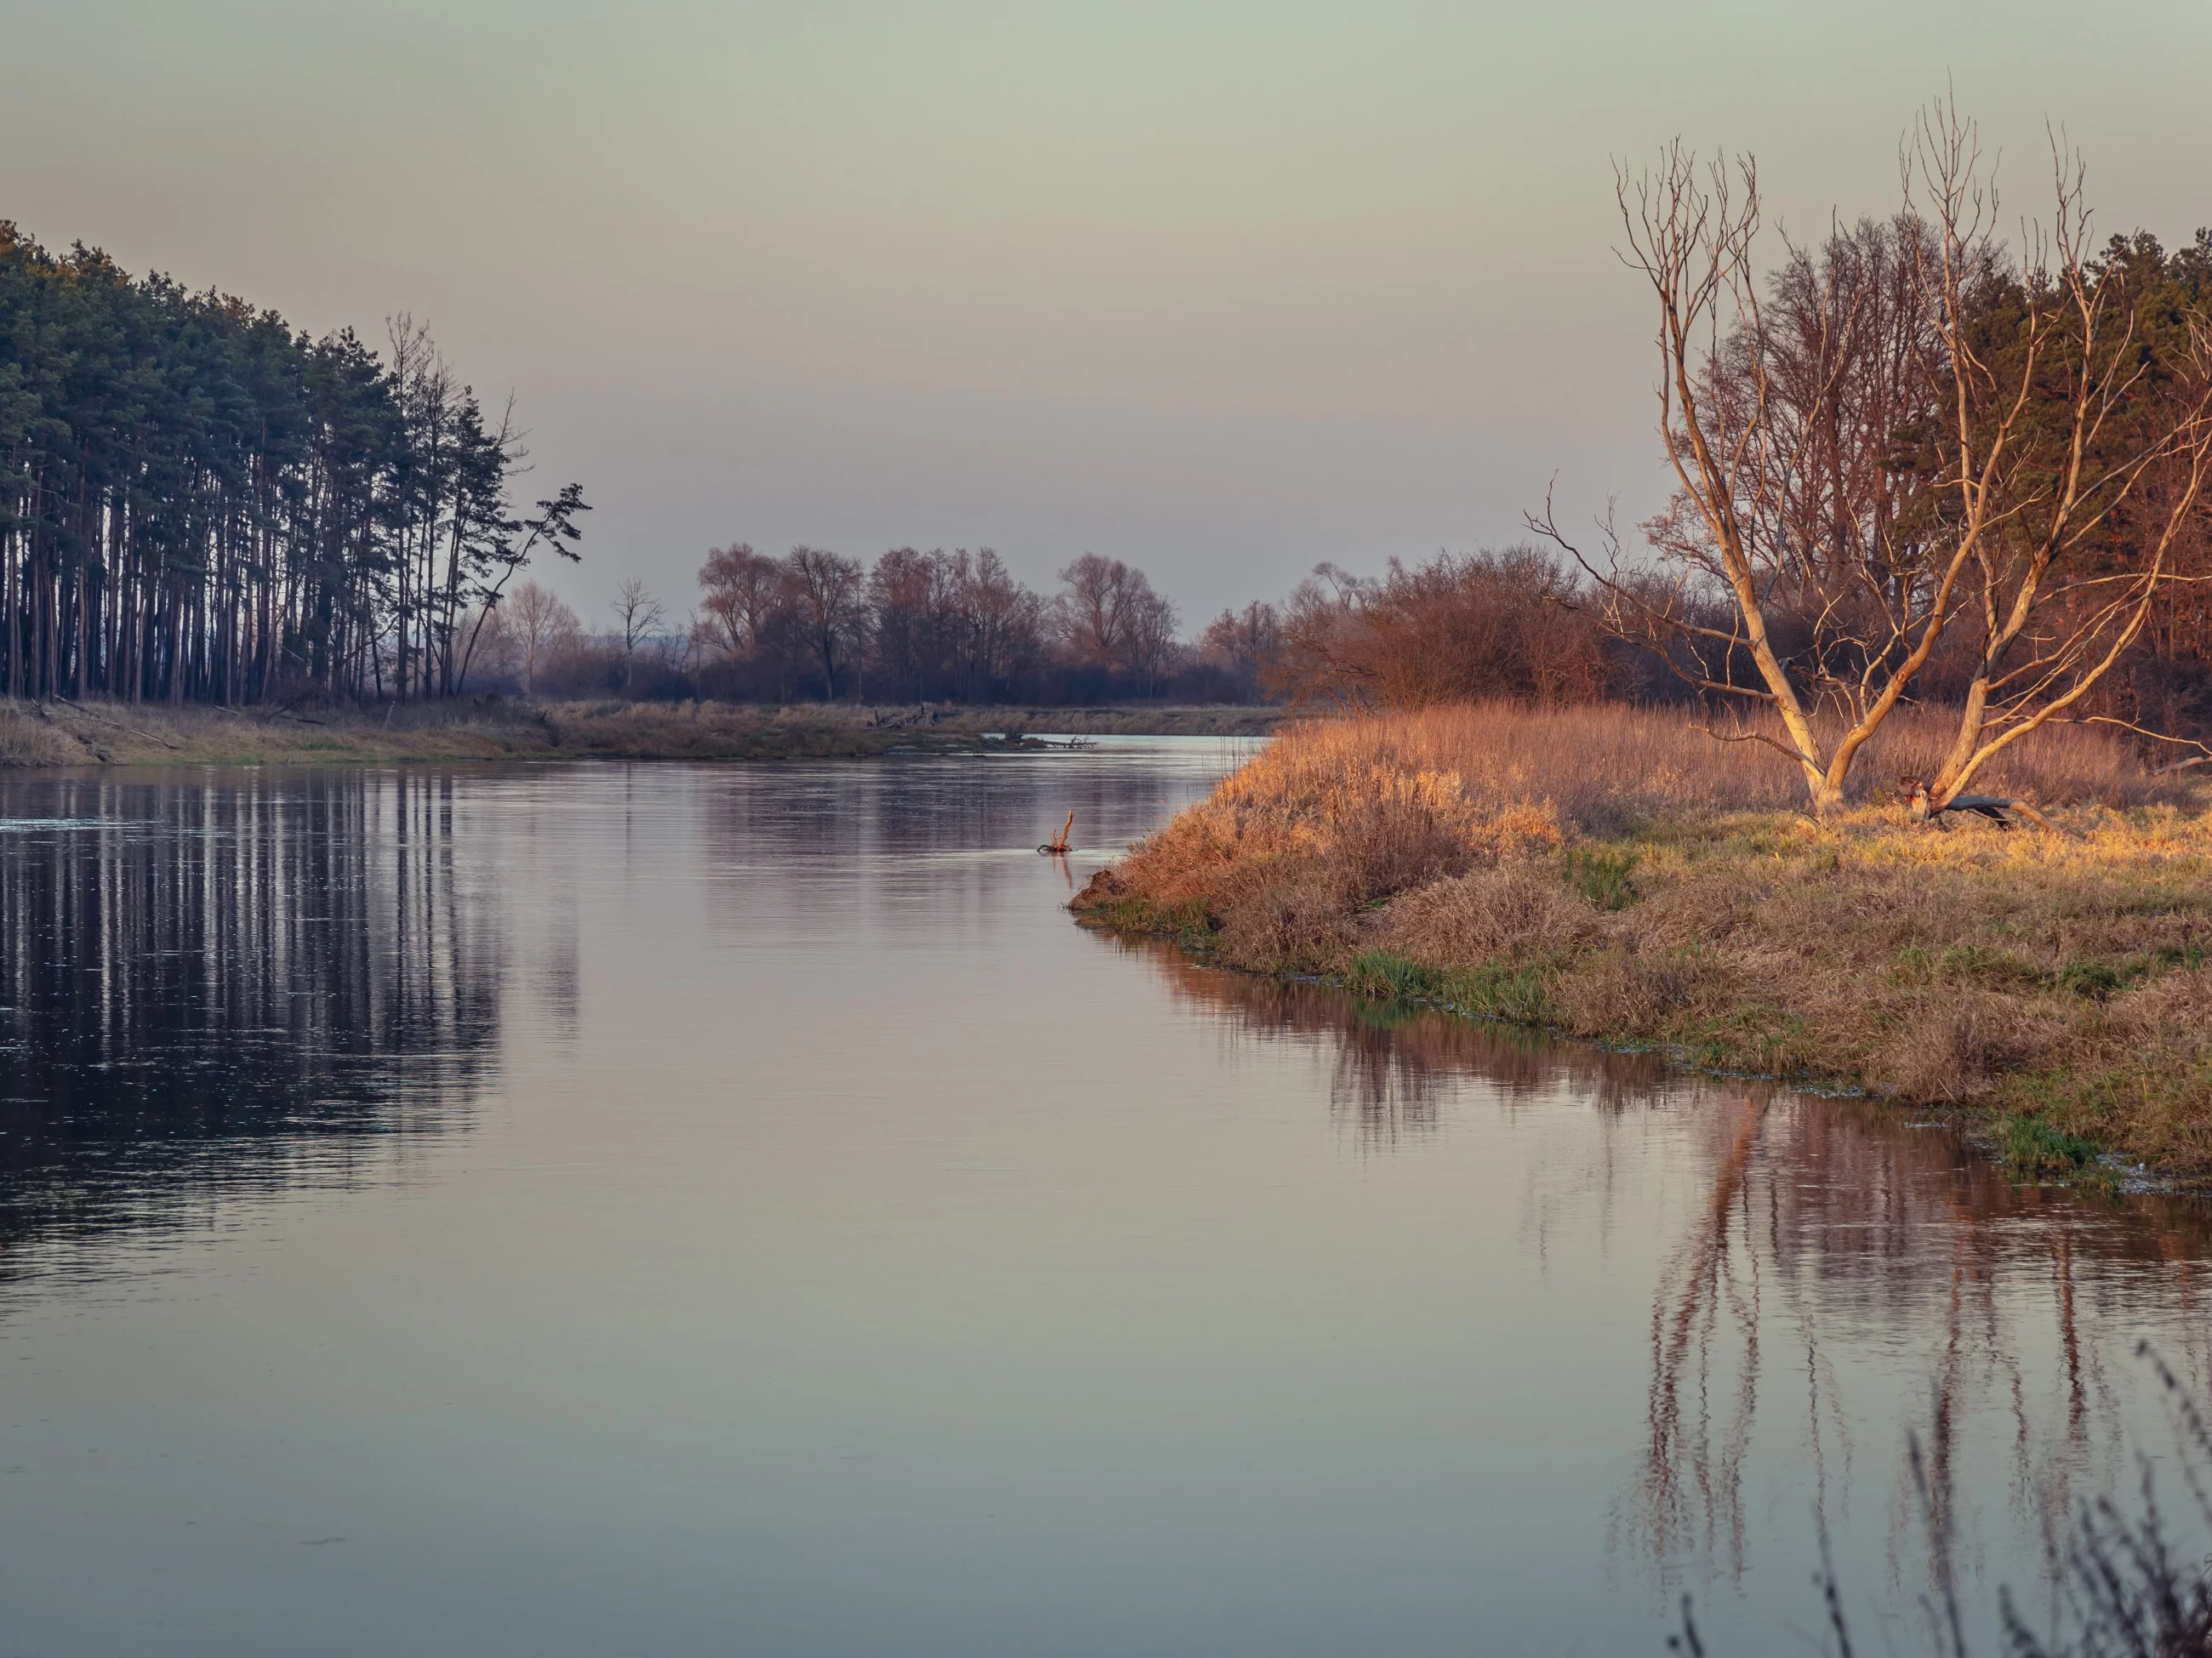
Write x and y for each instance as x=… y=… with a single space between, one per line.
x=683 y=1210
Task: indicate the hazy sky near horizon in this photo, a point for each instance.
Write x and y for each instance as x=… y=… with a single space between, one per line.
x=1221 y=289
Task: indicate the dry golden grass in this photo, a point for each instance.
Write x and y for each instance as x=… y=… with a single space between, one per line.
x=1601 y=767
x=26 y=739
x=1618 y=875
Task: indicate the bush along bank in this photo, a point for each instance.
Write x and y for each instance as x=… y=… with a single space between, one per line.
x=2056 y=983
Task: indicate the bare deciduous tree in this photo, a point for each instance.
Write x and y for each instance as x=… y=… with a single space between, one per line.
x=1096 y=606
x=537 y=626
x=1244 y=643
x=825 y=593
x=637 y=615
x=743 y=591
x=1001 y=623
x=2044 y=447
x=1109 y=616
x=911 y=606
x=1904 y=440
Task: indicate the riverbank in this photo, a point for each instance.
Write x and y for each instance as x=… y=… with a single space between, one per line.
x=66 y=733
x=1618 y=876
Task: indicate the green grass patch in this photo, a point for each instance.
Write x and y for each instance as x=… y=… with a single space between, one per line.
x=1602 y=876
x=1384 y=976
x=2032 y=1149
x=1519 y=993
x=1522 y=992
x=2093 y=980
x=1189 y=924
x=1757 y=1036
x=1992 y=970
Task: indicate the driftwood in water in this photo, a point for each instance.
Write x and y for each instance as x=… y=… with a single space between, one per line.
x=1991 y=806
x=1059 y=846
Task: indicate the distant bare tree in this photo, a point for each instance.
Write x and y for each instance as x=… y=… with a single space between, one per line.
x=1243 y=643
x=637 y=615
x=1151 y=648
x=491 y=651
x=1313 y=661
x=999 y=623
x=1093 y=609
x=743 y=590
x=911 y=600
x=1109 y=615
x=694 y=644
x=538 y=628
x=825 y=597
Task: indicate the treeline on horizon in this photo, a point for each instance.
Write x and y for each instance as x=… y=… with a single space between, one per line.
x=1848 y=364
x=912 y=627
x=198 y=503
x=956 y=627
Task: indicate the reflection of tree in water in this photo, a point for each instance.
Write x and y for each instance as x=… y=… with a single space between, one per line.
x=206 y=984
x=911 y=806
x=848 y=843
x=1825 y=1236
x=1694 y=1480
x=1828 y=1226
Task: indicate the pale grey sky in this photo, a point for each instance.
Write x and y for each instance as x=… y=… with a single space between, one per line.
x=1221 y=289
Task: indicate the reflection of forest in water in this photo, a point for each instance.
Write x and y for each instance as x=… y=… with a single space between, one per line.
x=1835 y=1277
x=839 y=841
x=230 y=981
x=832 y=814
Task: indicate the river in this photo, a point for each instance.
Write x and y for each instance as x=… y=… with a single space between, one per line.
x=668 y=1209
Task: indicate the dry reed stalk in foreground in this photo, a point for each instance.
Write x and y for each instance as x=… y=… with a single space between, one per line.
x=1619 y=874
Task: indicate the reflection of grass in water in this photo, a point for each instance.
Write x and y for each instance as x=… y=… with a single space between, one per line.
x=1395 y=1058
x=1387 y=1016
x=2121 y=1592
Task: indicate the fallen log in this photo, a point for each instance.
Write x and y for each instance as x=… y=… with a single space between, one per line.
x=1991 y=806
x=1059 y=846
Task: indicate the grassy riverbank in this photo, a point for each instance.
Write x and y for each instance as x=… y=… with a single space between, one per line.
x=63 y=733
x=1618 y=875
